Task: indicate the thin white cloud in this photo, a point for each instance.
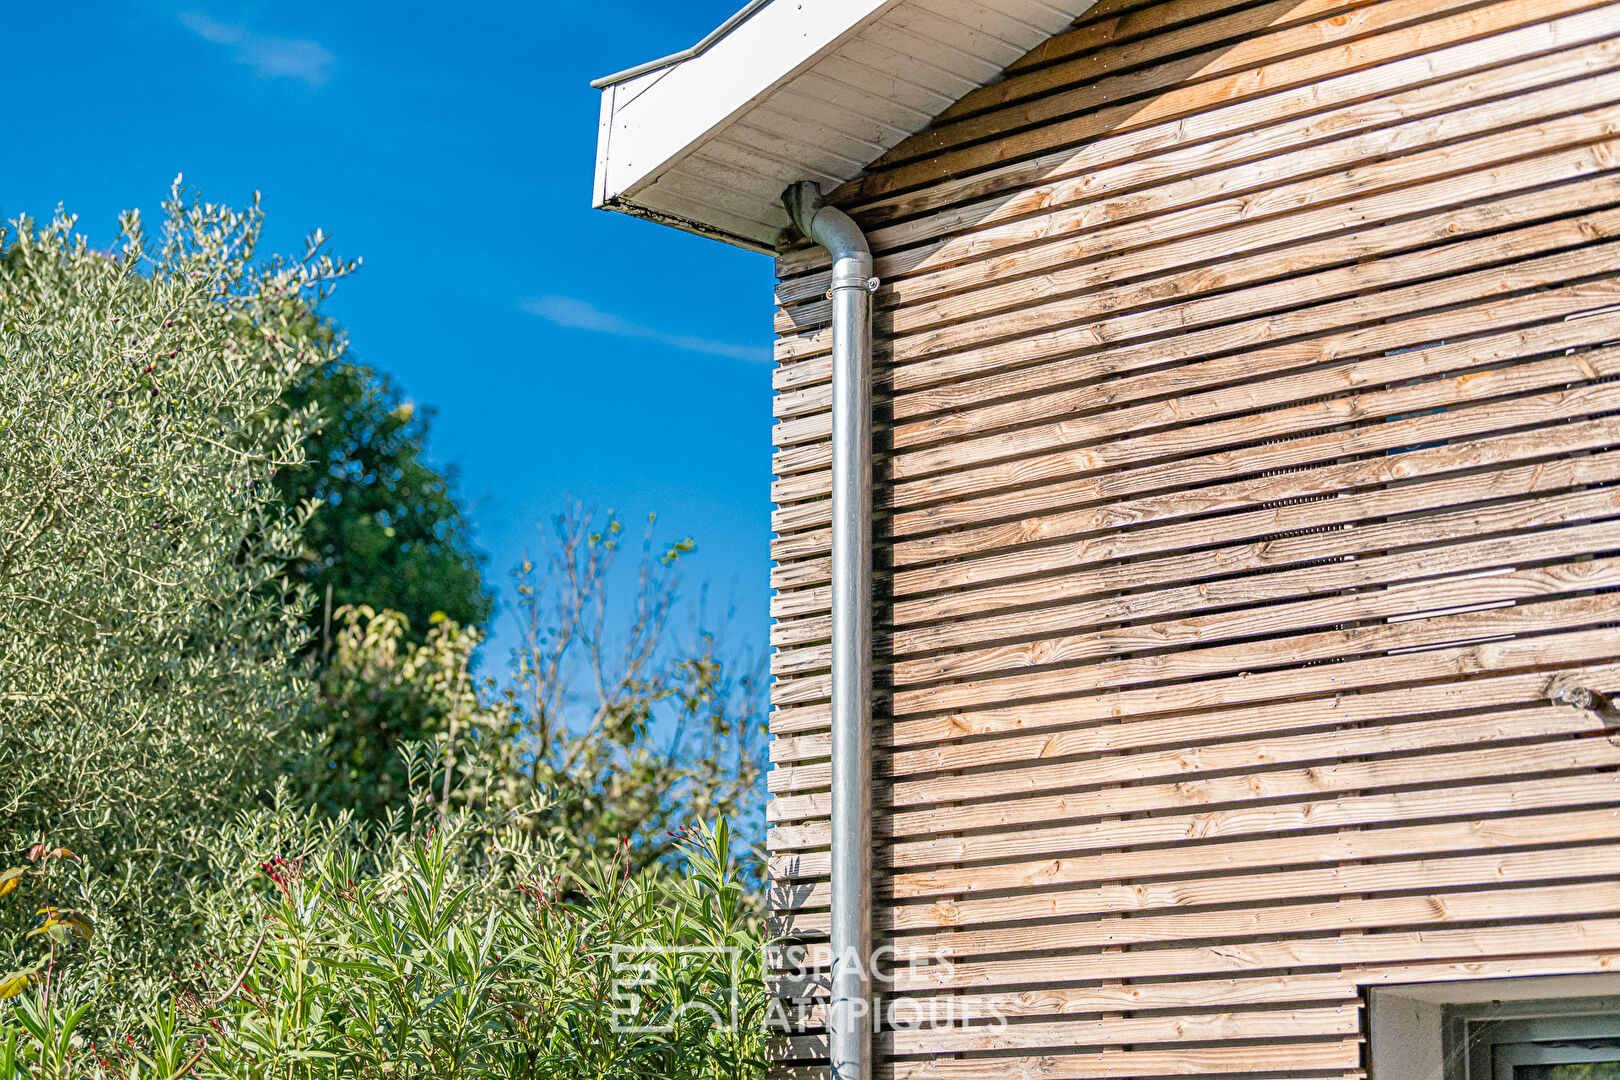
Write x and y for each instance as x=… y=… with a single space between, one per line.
x=576 y=314
x=269 y=56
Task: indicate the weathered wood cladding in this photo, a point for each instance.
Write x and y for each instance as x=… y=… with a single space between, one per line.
x=1248 y=505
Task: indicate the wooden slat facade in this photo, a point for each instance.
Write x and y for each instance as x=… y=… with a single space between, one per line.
x=1248 y=495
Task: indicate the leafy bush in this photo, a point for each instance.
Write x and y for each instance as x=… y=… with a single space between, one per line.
x=630 y=723
x=47 y=1012
x=387 y=528
x=146 y=635
x=415 y=971
x=626 y=723
x=447 y=945
x=380 y=690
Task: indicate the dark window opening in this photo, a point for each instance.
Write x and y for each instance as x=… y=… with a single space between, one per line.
x=1572 y=1039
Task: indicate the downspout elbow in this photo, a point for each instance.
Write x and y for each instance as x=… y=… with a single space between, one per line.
x=832 y=229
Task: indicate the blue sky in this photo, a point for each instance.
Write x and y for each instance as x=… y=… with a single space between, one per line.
x=567 y=350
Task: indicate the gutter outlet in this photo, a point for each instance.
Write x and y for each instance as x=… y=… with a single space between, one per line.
x=849 y=1013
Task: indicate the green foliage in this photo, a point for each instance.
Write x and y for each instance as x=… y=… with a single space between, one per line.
x=380 y=691
x=42 y=1043
x=386 y=530
x=630 y=723
x=423 y=969
x=454 y=945
x=146 y=634
x=455 y=912
x=626 y=725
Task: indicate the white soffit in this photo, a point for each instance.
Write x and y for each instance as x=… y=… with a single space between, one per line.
x=791 y=90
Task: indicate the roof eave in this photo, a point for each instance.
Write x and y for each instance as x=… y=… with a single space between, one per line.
x=789 y=90
x=654 y=116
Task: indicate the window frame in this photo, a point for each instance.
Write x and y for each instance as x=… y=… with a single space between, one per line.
x=1487 y=1041
x=1412 y=1025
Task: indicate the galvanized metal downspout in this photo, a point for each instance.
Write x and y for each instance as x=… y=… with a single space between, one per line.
x=849 y=1013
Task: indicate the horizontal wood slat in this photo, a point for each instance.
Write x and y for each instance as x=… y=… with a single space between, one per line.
x=1063 y=71
x=962 y=886
x=1259 y=81
x=1344 y=1019
x=1192 y=728
x=1115 y=235
x=1472 y=764
x=1188 y=601
x=1335 y=1020
x=945 y=615
x=1429 y=607
x=1239 y=1060
x=955 y=209
x=980 y=424
x=1596 y=893
x=1195 y=996
x=1061 y=91
x=1120 y=535
x=1036 y=332
x=1294 y=472
x=1372 y=302
x=1045 y=761
x=1378 y=948
x=1451 y=663
x=1140 y=899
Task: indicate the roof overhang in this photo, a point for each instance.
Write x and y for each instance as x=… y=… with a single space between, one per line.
x=787 y=90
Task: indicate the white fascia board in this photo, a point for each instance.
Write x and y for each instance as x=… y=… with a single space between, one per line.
x=614 y=97
x=651 y=121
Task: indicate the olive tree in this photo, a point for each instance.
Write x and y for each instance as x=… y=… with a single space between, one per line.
x=147 y=635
